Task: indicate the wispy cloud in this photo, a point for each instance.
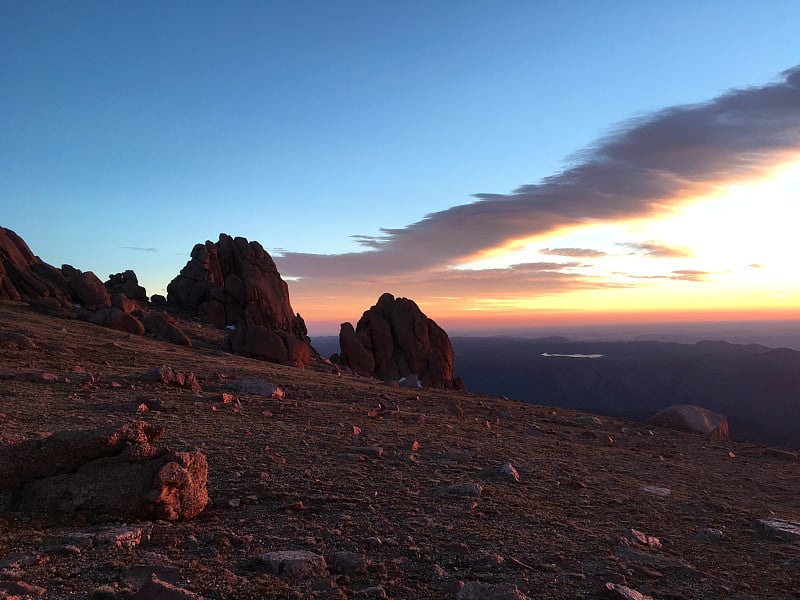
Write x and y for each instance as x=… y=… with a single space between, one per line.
x=657 y=249
x=638 y=170
x=573 y=252
x=691 y=275
x=679 y=275
x=139 y=249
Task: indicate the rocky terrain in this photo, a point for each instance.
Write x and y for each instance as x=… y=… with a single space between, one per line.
x=329 y=485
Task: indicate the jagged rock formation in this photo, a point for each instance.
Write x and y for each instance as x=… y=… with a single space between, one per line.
x=395 y=339
x=116 y=473
x=70 y=292
x=128 y=284
x=693 y=418
x=235 y=282
x=24 y=277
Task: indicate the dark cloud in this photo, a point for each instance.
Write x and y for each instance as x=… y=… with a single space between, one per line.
x=140 y=249
x=573 y=252
x=640 y=168
x=657 y=249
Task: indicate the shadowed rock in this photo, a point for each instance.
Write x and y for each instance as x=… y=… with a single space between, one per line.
x=164 y=326
x=24 y=277
x=86 y=286
x=111 y=473
x=395 y=339
x=128 y=284
x=688 y=417
x=235 y=283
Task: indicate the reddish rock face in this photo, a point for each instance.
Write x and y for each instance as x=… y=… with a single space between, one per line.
x=394 y=339
x=235 y=282
x=24 y=277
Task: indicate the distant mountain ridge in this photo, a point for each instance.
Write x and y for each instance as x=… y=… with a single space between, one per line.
x=757 y=387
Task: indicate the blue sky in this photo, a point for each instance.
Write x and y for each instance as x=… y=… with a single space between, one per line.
x=130 y=131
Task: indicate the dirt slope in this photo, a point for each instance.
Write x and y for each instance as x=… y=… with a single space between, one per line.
x=302 y=473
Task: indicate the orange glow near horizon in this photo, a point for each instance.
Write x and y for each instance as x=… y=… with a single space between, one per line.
x=728 y=256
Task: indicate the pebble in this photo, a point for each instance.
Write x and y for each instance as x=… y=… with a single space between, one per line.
x=787 y=530
x=635 y=537
x=295 y=564
x=257 y=387
x=478 y=590
x=156 y=589
x=373 y=451
x=656 y=491
x=471 y=489
x=20 y=587
x=346 y=562
x=621 y=592
x=709 y=534
x=509 y=473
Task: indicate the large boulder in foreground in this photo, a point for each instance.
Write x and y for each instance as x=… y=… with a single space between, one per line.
x=697 y=419
x=395 y=339
x=111 y=473
x=235 y=283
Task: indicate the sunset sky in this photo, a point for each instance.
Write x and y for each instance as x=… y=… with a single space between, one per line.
x=499 y=163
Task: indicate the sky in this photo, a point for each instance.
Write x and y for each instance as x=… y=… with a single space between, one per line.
x=502 y=164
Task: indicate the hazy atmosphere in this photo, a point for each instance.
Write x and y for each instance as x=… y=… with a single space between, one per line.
x=514 y=166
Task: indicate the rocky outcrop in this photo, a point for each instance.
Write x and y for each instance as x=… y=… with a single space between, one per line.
x=86 y=287
x=24 y=277
x=235 y=283
x=164 y=326
x=394 y=339
x=128 y=284
x=688 y=417
x=112 y=473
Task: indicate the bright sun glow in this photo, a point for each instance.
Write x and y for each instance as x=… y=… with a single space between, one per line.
x=733 y=250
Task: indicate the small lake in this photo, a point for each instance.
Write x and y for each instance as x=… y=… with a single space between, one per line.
x=547 y=354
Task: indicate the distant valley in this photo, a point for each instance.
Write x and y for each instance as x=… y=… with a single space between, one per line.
x=757 y=387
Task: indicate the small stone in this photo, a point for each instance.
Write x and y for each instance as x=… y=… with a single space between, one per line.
x=656 y=491
x=295 y=564
x=375 y=592
x=123 y=536
x=373 y=451
x=156 y=589
x=356 y=430
x=470 y=489
x=478 y=590
x=709 y=534
x=781 y=454
x=455 y=409
x=509 y=473
x=787 y=530
x=258 y=388
x=636 y=537
x=21 y=588
x=415 y=446
x=346 y=563
x=621 y=592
